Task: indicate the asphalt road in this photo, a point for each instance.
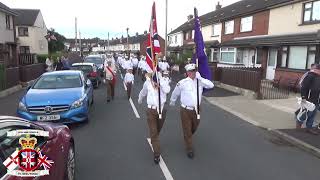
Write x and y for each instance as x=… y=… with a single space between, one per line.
x=113 y=145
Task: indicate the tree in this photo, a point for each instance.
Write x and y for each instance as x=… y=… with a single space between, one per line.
x=55 y=41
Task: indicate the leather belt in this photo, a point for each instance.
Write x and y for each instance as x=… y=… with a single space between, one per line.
x=187 y=107
x=152 y=107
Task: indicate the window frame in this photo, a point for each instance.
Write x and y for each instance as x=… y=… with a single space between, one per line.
x=287 y=52
x=214 y=33
x=304 y=9
x=227 y=50
x=8 y=21
x=24 y=49
x=241 y=20
x=25 y=31
x=225 y=27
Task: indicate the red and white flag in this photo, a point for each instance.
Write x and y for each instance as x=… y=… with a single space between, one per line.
x=153 y=44
x=11 y=162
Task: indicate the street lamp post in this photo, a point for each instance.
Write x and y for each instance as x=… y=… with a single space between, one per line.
x=127 y=41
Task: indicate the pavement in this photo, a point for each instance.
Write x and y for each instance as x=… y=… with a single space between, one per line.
x=113 y=144
x=274 y=115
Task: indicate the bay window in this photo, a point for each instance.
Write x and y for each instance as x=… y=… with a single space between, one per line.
x=228 y=55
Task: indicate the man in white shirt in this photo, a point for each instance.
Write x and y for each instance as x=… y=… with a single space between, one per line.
x=135 y=62
x=155 y=122
x=187 y=90
x=129 y=80
x=164 y=65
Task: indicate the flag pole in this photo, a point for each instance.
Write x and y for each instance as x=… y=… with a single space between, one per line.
x=198 y=103
x=197 y=68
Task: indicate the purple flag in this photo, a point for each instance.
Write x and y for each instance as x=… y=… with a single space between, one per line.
x=203 y=66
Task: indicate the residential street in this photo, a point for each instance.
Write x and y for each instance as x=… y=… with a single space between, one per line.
x=113 y=145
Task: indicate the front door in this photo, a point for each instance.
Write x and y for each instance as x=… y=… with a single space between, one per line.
x=272 y=63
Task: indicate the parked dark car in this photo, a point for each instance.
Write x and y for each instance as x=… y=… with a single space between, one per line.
x=98 y=61
x=58 y=147
x=90 y=70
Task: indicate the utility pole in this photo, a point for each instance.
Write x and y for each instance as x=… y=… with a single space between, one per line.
x=76 y=32
x=80 y=43
x=166 y=36
x=128 y=41
x=108 y=44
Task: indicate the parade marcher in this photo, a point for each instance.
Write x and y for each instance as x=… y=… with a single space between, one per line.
x=310 y=91
x=164 y=65
x=110 y=76
x=59 y=65
x=49 y=64
x=187 y=90
x=151 y=90
x=135 y=62
x=129 y=80
x=166 y=77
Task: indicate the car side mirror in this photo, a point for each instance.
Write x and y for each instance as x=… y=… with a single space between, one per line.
x=28 y=87
x=88 y=83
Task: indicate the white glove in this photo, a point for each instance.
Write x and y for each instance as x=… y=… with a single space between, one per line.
x=139 y=101
x=198 y=76
x=172 y=103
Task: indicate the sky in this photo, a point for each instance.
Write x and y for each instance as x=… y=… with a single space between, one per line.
x=97 y=18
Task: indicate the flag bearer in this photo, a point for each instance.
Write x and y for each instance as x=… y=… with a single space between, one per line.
x=151 y=90
x=187 y=90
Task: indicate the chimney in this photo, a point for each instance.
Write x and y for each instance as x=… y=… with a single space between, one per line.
x=137 y=33
x=190 y=17
x=145 y=32
x=218 y=6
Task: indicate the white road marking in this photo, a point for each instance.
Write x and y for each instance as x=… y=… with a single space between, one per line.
x=162 y=165
x=134 y=108
x=130 y=100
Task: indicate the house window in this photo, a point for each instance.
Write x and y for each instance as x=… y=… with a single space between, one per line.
x=23 y=31
x=192 y=34
x=239 y=58
x=215 y=30
x=311 y=56
x=298 y=57
x=284 y=57
x=175 y=39
x=24 y=50
x=227 y=55
x=8 y=24
x=246 y=24
x=229 y=27
x=311 y=12
x=215 y=54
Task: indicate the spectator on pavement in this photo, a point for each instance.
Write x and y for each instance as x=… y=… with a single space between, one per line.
x=59 y=65
x=66 y=63
x=310 y=91
x=49 y=64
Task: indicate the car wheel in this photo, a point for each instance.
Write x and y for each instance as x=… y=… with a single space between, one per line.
x=71 y=164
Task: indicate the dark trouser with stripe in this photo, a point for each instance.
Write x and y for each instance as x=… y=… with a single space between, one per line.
x=190 y=124
x=155 y=125
x=110 y=89
x=129 y=86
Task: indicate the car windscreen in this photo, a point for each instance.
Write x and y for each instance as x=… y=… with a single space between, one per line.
x=58 y=81
x=95 y=60
x=84 y=68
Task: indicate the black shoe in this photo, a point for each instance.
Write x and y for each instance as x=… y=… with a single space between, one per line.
x=190 y=154
x=108 y=100
x=156 y=159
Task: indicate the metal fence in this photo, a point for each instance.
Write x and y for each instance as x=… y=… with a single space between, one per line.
x=268 y=90
x=2 y=77
x=242 y=78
